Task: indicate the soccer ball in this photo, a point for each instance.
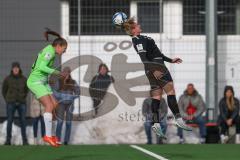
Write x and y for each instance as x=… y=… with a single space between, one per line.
x=119 y=18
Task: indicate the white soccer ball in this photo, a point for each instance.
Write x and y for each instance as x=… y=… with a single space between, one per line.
x=119 y=18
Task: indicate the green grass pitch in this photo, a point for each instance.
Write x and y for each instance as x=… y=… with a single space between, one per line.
x=121 y=152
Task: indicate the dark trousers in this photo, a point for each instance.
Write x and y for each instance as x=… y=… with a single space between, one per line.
x=224 y=126
x=96 y=102
x=61 y=110
x=21 y=108
x=35 y=126
x=97 y=96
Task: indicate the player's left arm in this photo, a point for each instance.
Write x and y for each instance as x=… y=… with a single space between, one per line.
x=176 y=60
x=158 y=56
x=44 y=68
x=161 y=57
x=170 y=60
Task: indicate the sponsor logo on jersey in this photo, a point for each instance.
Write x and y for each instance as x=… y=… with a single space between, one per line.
x=48 y=56
x=140 y=48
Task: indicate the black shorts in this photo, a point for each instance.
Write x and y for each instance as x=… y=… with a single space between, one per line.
x=155 y=83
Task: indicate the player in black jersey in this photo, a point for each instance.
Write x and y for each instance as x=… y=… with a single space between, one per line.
x=158 y=75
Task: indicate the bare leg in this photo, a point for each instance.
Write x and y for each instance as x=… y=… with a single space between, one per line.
x=156 y=93
x=47 y=103
x=169 y=88
x=55 y=104
x=54 y=101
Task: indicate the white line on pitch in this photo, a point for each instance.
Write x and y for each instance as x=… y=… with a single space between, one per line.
x=148 y=152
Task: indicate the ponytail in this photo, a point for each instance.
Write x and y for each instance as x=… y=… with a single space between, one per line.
x=58 y=41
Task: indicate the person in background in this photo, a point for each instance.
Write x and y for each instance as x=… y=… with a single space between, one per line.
x=192 y=106
x=36 y=111
x=229 y=114
x=14 y=91
x=148 y=114
x=99 y=86
x=65 y=91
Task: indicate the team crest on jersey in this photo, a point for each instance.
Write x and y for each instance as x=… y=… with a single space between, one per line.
x=48 y=56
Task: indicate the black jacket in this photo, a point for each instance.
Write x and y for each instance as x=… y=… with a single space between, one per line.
x=14 y=88
x=99 y=85
x=224 y=112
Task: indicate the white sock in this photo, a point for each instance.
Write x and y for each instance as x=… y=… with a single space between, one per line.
x=48 y=123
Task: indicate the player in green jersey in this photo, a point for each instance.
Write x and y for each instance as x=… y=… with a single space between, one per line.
x=38 y=81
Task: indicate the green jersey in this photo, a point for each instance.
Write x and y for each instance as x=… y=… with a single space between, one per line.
x=43 y=65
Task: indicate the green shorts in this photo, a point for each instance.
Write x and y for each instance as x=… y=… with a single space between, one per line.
x=39 y=88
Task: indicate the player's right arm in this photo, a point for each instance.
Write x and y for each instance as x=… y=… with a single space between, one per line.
x=44 y=68
x=44 y=59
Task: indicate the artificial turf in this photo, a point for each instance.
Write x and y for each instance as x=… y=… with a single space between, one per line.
x=120 y=152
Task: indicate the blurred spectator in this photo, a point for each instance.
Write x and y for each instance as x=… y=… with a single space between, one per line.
x=36 y=112
x=14 y=91
x=99 y=86
x=67 y=89
x=229 y=114
x=191 y=106
x=148 y=114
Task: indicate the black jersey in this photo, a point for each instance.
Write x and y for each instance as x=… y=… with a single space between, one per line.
x=148 y=51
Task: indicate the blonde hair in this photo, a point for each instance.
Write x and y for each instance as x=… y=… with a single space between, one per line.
x=129 y=25
x=230 y=103
x=229 y=100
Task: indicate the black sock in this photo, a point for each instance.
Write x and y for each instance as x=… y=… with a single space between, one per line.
x=172 y=103
x=155 y=110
